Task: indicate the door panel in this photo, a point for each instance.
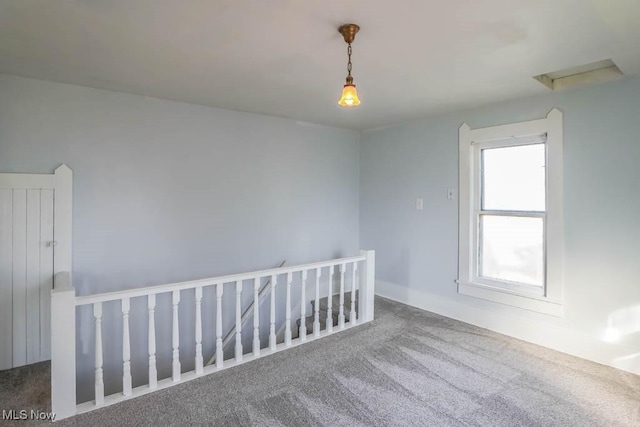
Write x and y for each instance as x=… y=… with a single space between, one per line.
x=26 y=278
x=6 y=271
x=19 y=277
x=33 y=276
x=46 y=271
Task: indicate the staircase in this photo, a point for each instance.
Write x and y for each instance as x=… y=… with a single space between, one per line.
x=323 y=307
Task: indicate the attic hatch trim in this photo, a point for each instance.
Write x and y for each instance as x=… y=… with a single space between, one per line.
x=595 y=72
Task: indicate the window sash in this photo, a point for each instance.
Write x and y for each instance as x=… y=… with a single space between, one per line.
x=504 y=143
x=532 y=214
x=477 y=171
x=478 y=212
x=507 y=284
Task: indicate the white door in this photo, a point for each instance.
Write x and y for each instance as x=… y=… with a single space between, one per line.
x=26 y=275
x=35 y=221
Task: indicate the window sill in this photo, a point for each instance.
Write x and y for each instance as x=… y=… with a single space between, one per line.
x=538 y=304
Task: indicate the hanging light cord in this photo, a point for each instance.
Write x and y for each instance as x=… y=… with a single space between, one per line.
x=349 y=63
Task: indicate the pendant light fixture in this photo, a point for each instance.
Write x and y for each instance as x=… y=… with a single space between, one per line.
x=349 y=96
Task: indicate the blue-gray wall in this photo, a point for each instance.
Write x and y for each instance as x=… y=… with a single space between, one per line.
x=166 y=191
x=417 y=251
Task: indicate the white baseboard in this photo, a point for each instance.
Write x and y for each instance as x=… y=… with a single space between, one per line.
x=559 y=338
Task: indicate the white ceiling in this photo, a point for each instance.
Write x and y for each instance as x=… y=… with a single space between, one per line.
x=412 y=58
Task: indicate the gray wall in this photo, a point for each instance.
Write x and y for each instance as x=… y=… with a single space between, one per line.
x=417 y=251
x=165 y=191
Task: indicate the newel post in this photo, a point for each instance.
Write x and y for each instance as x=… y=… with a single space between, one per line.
x=367 y=286
x=63 y=347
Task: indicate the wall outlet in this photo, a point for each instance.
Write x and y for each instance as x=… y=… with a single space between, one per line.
x=419 y=204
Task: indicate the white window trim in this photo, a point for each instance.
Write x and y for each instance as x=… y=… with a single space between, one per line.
x=551 y=302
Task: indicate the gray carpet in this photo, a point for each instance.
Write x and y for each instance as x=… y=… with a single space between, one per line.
x=28 y=387
x=408 y=367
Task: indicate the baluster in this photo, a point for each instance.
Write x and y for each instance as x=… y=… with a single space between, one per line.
x=287 y=324
x=99 y=381
x=316 y=319
x=126 y=349
x=219 y=349
x=343 y=267
x=176 y=337
x=330 y=302
x=303 y=308
x=238 y=320
x=354 y=284
x=256 y=317
x=199 y=360
x=153 y=372
x=272 y=326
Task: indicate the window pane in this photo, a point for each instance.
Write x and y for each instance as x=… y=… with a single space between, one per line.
x=513 y=178
x=512 y=249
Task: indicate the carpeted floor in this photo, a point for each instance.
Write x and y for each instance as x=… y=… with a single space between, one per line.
x=25 y=388
x=408 y=367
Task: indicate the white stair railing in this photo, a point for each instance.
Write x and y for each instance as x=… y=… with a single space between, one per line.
x=64 y=303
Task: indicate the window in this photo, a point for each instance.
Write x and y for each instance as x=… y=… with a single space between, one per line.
x=510 y=213
x=511 y=221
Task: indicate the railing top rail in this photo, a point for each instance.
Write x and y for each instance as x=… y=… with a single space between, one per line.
x=151 y=290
